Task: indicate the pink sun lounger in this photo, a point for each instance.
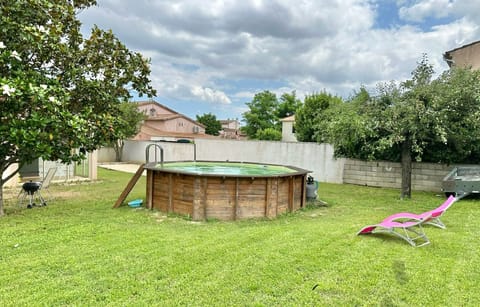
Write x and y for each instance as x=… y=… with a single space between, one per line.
x=431 y=217
x=408 y=226
x=410 y=231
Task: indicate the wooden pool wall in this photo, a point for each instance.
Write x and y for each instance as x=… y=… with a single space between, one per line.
x=224 y=198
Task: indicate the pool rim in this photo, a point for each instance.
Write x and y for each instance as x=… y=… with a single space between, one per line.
x=297 y=170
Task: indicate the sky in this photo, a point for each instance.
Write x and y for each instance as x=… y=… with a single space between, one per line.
x=210 y=56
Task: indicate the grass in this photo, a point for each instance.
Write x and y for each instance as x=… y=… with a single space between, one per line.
x=79 y=251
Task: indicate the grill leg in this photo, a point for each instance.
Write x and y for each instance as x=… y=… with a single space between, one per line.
x=40 y=198
x=31 y=200
x=21 y=197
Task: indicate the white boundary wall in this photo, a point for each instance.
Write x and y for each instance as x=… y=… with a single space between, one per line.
x=317 y=158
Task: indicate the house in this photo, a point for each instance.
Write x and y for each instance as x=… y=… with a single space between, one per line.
x=164 y=124
x=465 y=56
x=288 y=129
x=230 y=129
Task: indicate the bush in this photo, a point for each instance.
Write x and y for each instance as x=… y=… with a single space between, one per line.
x=269 y=134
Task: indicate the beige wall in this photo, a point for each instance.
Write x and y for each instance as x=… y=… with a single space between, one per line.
x=467 y=56
x=179 y=124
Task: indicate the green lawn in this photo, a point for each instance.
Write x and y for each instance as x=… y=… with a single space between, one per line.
x=79 y=251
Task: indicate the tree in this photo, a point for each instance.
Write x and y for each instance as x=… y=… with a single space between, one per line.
x=311 y=116
x=128 y=123
x=418 y=119
x=288 y=105
x=457 y=102
x=400 y=119
x=407 y=115
x=212 y=125
x=58 y=90
x=262 y=114
x=269 y=134
x=350 y=130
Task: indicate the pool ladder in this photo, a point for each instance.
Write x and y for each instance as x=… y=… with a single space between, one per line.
x=147 y=153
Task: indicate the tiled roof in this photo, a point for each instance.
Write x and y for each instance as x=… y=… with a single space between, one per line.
x=146 y=103
x=152 y=132
x=164 y=117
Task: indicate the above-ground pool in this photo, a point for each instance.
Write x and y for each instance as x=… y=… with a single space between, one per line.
x=225 y=190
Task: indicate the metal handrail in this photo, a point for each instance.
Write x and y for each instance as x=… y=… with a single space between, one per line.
x=147 y=153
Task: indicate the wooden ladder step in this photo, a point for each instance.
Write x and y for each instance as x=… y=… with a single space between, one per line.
x=129 y=186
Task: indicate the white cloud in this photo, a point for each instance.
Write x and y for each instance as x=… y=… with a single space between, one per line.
x=420 y=10
x=302 y=45
x=457 y=33
x=210 y=95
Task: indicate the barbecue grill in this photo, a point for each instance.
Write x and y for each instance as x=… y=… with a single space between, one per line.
x=31 y=190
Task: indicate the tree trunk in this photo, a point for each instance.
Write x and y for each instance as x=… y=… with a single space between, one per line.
x=406 y=170
x=118 y=154
x=118 y=147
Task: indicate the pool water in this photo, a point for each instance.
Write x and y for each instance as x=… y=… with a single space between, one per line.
x=227 y=168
